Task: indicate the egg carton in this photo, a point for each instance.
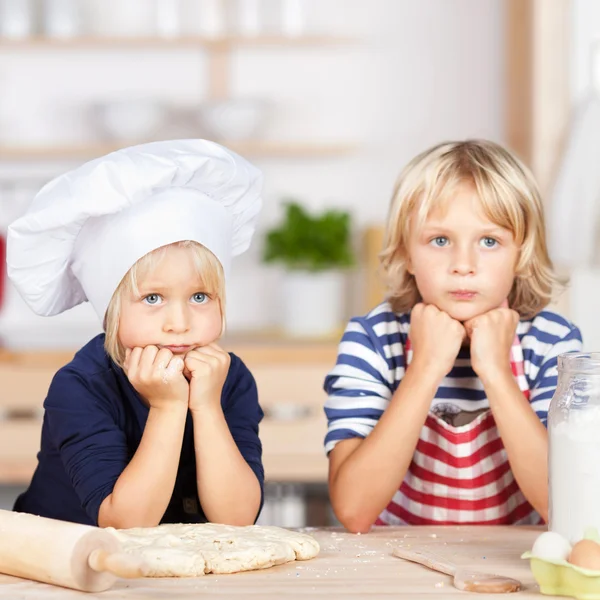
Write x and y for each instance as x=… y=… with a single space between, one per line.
x=560 y=578
x=557 y=577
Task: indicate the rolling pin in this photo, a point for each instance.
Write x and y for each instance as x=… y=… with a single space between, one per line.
x=76 y=556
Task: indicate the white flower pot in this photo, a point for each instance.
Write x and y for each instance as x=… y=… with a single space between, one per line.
x=313 y=303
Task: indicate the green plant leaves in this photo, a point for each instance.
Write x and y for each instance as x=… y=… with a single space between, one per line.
x=310 y=243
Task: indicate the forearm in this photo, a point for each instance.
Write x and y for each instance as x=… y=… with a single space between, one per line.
x=228 y=488
x=524 y=437
x=143 y=491
x=363 y=485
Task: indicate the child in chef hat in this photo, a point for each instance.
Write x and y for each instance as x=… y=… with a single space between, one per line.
x=152 y=421
x=440 y=394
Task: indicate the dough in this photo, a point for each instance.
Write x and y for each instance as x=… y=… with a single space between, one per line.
x=191 y=550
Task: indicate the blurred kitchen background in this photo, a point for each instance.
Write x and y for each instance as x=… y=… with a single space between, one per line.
x=329 y=98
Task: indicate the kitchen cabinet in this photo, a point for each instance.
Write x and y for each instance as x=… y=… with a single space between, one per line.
x=289 y=377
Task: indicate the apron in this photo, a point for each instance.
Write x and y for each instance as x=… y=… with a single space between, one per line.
x=461 y=475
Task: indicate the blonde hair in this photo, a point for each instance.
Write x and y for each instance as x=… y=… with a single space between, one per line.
x=509 y=196
x=207 y=266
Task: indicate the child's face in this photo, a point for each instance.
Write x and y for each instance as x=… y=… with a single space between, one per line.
x=172 y=309
x=462 y=262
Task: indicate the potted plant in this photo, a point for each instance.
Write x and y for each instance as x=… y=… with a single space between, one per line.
x=315 y=250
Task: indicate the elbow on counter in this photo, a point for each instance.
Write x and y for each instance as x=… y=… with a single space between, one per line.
x=121 y=523
x=109 y=516
x=354 y=521
x=124 y=523
x=351 y=512
x=235 y=521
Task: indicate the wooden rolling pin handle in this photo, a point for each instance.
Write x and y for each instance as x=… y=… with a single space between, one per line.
x=119 y=564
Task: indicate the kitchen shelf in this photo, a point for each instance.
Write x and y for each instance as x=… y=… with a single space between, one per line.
x=256 y=347
x=251 y=148
x=218 y=48
x=217 y=43
x=219 y=68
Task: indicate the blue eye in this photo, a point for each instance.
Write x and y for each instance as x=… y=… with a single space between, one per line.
x=439 y=241
x=489 y=242
x=200 y=298
x=152 y=299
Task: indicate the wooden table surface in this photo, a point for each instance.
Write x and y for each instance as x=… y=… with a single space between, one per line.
x=348 y=566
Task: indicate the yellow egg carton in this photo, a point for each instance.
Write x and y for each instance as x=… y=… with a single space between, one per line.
x=556 y=576
x=560 y=578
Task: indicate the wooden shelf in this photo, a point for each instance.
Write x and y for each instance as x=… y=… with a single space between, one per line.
x=218 y=43
x=218 y=55
x=253 y=349
x=19 y=473
x=250 y=148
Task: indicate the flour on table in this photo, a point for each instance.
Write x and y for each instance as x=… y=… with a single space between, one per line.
x=180 y=550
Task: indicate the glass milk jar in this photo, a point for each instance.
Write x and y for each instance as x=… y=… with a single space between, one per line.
x=574 y=446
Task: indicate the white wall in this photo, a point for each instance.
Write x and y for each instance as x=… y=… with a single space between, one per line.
x=584 y=62
x=585 y=30
x=422 y=71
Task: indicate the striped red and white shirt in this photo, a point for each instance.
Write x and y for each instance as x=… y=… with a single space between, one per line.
x=459 y=473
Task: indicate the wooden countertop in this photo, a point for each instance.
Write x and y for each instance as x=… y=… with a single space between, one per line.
x=349 y=566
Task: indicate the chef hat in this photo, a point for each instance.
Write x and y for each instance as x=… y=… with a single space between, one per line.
x=85 y=229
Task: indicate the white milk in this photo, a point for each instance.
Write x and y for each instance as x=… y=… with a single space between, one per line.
x=574 y=473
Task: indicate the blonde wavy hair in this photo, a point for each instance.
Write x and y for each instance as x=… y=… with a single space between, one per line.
x=207 y=266
x=509 y=196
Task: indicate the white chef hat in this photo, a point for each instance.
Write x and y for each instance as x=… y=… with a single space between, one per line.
x=85 y=229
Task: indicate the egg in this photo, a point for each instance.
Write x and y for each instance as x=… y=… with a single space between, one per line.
x=551 y=546
x=586 y=554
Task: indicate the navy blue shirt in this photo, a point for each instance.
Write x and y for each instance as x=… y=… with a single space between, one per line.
x=93 y=424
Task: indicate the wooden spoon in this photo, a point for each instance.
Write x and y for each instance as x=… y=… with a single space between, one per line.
x=464 y=579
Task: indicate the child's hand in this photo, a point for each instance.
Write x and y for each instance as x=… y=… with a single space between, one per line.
x=208 y=367
x=492 y=335
x=436 y=339
x=157 y=376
